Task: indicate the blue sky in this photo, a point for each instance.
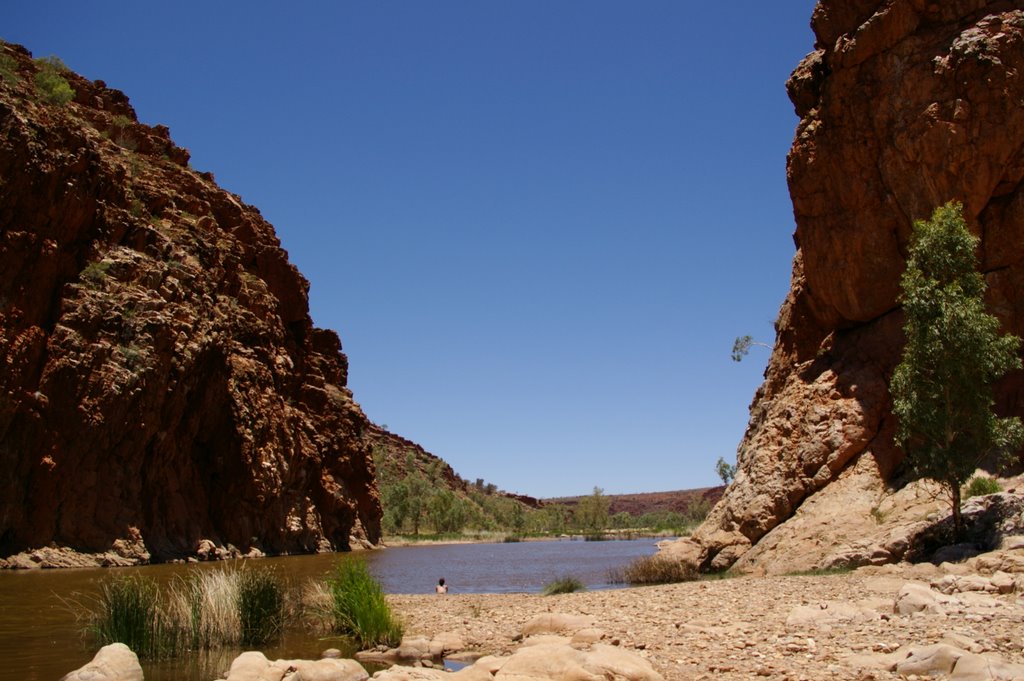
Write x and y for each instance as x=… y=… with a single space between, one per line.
x=537 y=225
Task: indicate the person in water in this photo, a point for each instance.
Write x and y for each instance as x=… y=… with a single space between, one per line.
x=441 y=587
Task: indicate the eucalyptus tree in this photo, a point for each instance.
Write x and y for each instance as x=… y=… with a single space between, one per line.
x=942 y=388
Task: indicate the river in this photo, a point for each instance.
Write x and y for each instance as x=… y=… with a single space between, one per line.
x=41 y=639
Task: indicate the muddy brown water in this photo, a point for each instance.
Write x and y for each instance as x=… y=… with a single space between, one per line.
x=41 y=633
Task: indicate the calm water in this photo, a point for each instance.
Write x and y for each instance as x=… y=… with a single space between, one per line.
x=40 y=639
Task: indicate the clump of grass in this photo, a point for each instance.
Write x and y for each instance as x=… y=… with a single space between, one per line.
x=212 y=607
x=358 y=607
x=654 y=570
x=512 y=539
x=204 y=607
x=981 y=485
x=51 y=83
x=564 y=585
x=208 y=610
x=128 y=611
x=134 y=355
x=94 y=273
x=260 y=603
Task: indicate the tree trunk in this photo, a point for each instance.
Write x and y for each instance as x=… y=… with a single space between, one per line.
x=959 y=533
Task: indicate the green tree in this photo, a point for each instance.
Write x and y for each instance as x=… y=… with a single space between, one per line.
x=395 y=502
x=741 y=347
x=419 y=493
x=447 y=512
x=517 y=519
x=622 y=520
x=942 y=387
x=726 y=471
x=592 y=511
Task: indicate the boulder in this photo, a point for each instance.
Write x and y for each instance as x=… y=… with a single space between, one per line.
x=544 y=658
x=115 y=662
x=562 y=661
x=414 y=648
x=985 y=668
x=326 y=669
x=930 y=660
x=556 y=623
x=943 y=660
x=956 y=664
x=254 y=666
x=916 y=597
x=586 y=637
x=444 y=643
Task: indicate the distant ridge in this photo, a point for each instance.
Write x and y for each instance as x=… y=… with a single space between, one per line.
x=677 y=501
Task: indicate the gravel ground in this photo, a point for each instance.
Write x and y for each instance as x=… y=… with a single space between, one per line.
x=741 y=628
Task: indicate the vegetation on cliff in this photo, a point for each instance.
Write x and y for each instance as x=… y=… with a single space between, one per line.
x=942 y=387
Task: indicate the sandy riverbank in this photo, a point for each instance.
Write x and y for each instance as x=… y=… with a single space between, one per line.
x=745 y=627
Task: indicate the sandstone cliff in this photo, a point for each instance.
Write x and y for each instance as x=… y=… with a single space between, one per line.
x=163 y=391
x=904 y=105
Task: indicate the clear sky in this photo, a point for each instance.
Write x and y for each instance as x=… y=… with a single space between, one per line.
x=537 y=225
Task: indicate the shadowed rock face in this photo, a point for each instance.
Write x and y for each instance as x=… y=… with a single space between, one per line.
x=161 y=382
x=904 y=105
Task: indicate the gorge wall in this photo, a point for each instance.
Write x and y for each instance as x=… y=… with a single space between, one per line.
x=904 y=105
x=163 y=391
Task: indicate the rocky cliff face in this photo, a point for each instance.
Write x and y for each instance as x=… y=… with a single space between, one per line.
x=163 y=391
x=904 y=105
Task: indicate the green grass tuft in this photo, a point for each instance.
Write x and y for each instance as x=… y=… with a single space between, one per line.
x=564 y=585
x=94 y=274
x=981 y=485
x=260 y=607
x=128 y=611
x=358 y=607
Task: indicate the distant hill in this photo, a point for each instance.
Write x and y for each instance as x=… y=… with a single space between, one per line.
x=422 y=494
x=678 y=501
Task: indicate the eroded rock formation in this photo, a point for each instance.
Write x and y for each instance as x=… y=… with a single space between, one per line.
x=904 y=105
x=163 y=390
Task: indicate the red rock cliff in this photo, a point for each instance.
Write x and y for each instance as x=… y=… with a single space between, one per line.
x=163 y=391
x=904 y=105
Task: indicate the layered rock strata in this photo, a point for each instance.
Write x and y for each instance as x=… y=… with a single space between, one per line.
x=904 y=105
x=162 y=388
